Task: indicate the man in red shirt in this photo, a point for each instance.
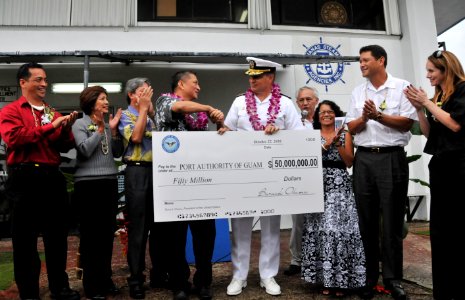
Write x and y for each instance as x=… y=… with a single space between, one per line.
x=35 y=134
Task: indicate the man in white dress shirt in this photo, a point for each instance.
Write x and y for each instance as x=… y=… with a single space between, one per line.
x=306 y=99
x=261 y=108
x=380 y=116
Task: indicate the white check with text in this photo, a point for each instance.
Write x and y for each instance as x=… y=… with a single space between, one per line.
x=203 y=175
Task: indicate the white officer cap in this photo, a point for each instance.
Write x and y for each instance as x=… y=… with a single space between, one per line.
x=258 y=66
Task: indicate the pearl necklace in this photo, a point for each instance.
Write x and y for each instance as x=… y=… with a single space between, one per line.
x=104 y=140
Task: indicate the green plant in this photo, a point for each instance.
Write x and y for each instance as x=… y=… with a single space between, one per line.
x=6 y=265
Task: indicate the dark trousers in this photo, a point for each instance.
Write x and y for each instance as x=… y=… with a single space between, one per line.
x=40 y=206
x=96 y=201
x=203 y=239
x=447 y=178
x=139 y=206
x=380 y=188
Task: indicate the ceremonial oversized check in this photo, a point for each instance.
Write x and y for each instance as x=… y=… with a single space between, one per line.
x=204 y=175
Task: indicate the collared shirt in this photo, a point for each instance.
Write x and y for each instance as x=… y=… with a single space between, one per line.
x=30 y=143
x=376 y=134
x=166 y=119
x=135 y=152
x=238 y=119
x=307 y=124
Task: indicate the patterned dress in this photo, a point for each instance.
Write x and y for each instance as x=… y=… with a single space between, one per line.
x=332 y=249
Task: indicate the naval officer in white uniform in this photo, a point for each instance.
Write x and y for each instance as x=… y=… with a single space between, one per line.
x=261 y=108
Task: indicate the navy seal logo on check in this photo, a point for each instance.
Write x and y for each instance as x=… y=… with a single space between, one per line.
x=170 y=143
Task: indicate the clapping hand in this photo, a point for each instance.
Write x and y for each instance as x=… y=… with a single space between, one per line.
x=114 y=120
x=65 y=121
x=417 y=97
x=144 y=99
x=369 y=109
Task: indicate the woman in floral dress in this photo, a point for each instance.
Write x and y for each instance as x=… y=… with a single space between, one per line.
x=332 y=249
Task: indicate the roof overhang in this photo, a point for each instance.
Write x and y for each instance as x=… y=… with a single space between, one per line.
x=448 y=13
x=129 y=57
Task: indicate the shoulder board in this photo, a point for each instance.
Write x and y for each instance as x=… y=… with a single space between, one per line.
x=285 y=96
x=238 y=95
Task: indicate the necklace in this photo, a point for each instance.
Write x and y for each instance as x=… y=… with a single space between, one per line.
x=383 y=104
x=105 y=148
x=273 y=109
x=104 y=141
x=194 y=124
x=46 y=117
x=36 y=120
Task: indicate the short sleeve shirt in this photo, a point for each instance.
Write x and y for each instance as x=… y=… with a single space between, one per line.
x=396 y=104
x=135 y=152
x=166 y=119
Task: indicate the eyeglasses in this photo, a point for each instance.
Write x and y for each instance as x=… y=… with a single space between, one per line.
x=326 y=112
x=306 y=99
x=437 y=53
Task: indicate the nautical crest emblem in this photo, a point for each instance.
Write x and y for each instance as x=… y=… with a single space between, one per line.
x=324 y=73
x=170 y=143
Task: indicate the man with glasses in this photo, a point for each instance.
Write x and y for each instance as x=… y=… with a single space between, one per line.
x=381 y=116
x=306 y=99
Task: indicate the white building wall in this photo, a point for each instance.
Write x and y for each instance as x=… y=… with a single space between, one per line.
x=408 y=46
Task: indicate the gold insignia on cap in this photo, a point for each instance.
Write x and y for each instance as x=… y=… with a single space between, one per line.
x=259 y=66
x=252 y=64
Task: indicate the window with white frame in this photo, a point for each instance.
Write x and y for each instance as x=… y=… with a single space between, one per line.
x=352 y=14
x=208 y=11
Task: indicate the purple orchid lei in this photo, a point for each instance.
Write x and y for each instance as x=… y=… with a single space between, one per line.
x=194 y=124
x=273 y=109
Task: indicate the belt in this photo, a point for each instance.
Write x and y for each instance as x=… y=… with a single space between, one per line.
x=139 y=163
x=33 y=166
x=380 y=149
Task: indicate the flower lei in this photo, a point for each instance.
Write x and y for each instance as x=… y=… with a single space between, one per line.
x=47 y=117
x=194 y=124
x=273 y=109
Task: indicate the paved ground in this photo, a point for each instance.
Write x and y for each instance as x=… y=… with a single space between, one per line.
x=417 y=273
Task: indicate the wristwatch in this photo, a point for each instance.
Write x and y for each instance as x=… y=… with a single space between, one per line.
x=379 y=116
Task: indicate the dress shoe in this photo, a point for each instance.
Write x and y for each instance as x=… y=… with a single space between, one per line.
x=397 y=290
x=292 y=270
x=180 y=295
x=236 y=286
x=65 y=294
x=270 y=285
x=160 y=284
x=205 y=293
x=367 y=292
x=136 y=291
